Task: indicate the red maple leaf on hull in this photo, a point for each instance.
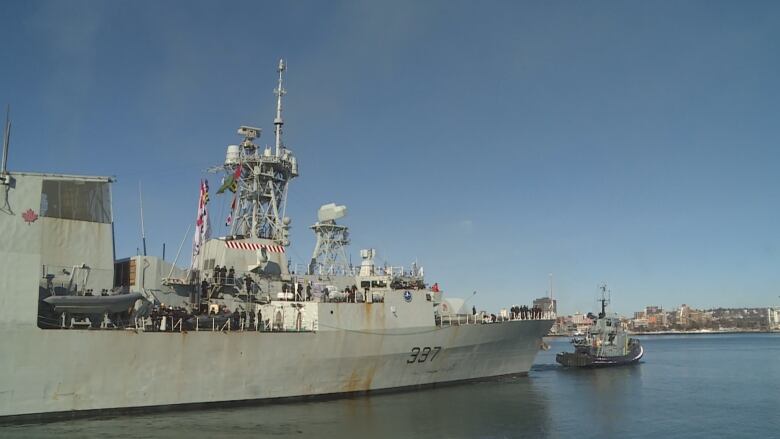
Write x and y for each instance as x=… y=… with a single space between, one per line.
x=29 y=216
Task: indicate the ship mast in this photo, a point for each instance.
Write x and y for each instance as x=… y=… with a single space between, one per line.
x=261 y=177
x=278 y=122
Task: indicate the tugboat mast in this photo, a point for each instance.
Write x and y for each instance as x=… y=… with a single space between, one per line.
x=603 y=301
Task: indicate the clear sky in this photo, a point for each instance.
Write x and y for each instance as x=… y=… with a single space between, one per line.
x=631 y=142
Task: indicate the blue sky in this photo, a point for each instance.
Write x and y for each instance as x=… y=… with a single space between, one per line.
x=495 y=142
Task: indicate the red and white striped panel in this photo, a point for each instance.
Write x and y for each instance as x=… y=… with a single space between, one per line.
x=241 y=245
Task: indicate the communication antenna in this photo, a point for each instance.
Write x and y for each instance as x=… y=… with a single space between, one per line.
x=551 y=293
x=4 y=177
x=278 y=122
x=141 y=203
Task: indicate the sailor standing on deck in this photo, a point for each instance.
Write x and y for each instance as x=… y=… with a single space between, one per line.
x=231 y=276
x=204 y=289
x=222 y=275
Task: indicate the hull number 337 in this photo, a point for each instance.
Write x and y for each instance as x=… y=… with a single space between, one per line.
x=419 y=355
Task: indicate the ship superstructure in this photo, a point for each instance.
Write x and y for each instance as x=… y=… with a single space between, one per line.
x=262 y=176
x=83 y=332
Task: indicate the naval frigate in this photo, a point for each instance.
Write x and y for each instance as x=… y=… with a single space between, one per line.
x=85 y=332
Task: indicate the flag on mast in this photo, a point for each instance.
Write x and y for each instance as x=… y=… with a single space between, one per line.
x=231 y=182
x=202 y=226
x=207 y=224
x=229 y=219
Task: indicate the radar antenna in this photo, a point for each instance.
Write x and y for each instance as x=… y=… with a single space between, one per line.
x=329 y=256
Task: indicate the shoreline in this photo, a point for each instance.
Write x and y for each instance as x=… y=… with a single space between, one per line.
x=702 y=332
x=679 y=333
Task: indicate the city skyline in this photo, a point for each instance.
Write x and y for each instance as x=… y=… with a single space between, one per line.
x=631 y=143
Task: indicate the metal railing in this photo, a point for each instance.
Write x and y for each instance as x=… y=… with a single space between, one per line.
x=277 y=322
x=481 y=318
x=379 y=270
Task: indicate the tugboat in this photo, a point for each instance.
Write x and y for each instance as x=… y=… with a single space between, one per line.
x=605 y=343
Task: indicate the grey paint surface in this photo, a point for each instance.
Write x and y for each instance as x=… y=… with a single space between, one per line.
x=349 y=347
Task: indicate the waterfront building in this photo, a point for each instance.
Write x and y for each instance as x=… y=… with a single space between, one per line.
x=581 y=322
x=683 y=315
x=773 y=317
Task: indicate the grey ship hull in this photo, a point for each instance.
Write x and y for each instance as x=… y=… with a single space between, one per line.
x=83 y=370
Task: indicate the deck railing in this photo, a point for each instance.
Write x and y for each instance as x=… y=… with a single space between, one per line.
x=480 y=319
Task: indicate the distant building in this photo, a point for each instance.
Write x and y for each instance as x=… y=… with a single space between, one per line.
x=581 y=322
x=639 y=323
x=656 y=320
x=684 y=315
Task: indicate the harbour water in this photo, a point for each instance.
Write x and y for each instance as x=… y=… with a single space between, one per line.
x=686 y=386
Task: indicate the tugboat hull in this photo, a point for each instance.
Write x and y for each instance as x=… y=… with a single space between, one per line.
x=582 y=359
